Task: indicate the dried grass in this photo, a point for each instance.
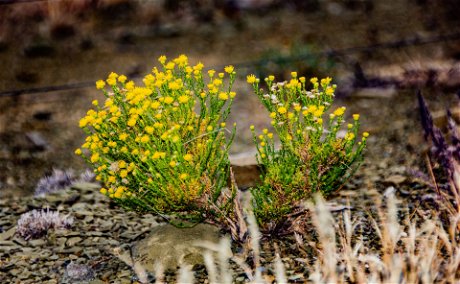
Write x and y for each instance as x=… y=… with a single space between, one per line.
x=405 y=249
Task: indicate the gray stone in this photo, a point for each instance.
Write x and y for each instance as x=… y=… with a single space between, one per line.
x=78 y=272
x=8 y=234
x=172 y=246
x=395 y=179
x=37 y=242
x=73 y=241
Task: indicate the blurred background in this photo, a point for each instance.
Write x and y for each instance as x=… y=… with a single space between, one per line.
x=377 y=51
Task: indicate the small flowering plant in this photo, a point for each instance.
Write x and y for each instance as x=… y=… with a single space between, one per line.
x=163 y=147
x=313 y=156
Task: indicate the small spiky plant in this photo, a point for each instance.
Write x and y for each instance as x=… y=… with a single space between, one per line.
x=58 y=180
x=36 y=223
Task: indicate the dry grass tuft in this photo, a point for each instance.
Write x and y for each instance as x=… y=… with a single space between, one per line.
x=389 y=246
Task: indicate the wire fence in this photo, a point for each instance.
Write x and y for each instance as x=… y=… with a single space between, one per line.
x=402 y=43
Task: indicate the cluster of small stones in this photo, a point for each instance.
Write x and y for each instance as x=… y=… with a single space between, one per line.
x=81 y=254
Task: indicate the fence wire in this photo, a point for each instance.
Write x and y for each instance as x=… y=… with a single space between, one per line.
x=402 y=43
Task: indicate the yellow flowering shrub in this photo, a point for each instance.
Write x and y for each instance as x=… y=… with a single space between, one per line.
x=313 y=157
x=163 y=146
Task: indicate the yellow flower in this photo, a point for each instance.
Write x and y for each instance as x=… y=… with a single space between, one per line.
x=122 y=79
x=78 y=151
x=365 y=134
x=349 y=136
x=173 y=86
x=222 y=124
x=183 y=176
x=271 y=78
x=251 y=127
x=329 y=91
x=123 y=136
x=130 y=85
x=94 y=158
x=270 y=135
x=251 y=79
x=149 y=129
x=119 y=192
x=111 y=179
x=132 y=122
x=356 y=116
x=188 y=157
x=326 y=81
x=223 y=96
x=209 y=128
x=103 y=191
x=340 y=111
x=198 y=67
x=170 y=65
x=175 y=139
x=172 y=163
x=203 y=95
x=83 y=122
x=123 y=173
x=229 y=69
x=145 y=139
x=183 y=99
x=349 y=126
x=273 y=114
x=108 y=102
x=155 y=105
x=162 y=59
x=294 y=74
x=182 y=60
x=168 y=100
x=232 y=95
x=111 y=81
x=217 y=82
x=314 y=80
x=100 y=85
x=282 y=110
x=318 y=113
x=211 y=73
x=320 y=121
x=262 y=144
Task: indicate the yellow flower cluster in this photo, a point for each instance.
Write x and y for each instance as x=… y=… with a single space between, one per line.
x=313 y=156
x=147 y=143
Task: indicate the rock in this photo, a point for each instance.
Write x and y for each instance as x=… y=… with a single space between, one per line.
x=73 y=241
x=37 y=140
x=245 y=169
x=173 y=246
x=376 y=93
x=8 y=234
x=78 y=272
x=395 y=179
x=37 y=242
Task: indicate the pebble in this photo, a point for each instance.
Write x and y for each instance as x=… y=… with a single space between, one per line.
x=37 y=242
x=395 y=179
x=73 y=241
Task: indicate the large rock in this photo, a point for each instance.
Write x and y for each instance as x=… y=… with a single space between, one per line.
x=171 y=246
